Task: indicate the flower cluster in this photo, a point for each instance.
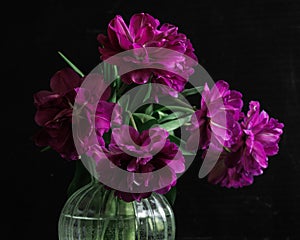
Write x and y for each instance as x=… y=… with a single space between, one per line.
x=146 y=144
x=144 y=34
x=245 y=142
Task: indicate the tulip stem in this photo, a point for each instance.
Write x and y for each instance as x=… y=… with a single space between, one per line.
x=121 y=89
x=132 y=120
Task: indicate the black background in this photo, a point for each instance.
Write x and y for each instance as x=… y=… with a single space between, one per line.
x=254 y=45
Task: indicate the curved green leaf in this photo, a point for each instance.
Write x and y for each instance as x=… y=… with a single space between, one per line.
x=143 y=117
x=171 y=116
x=192 y=91
x=171 y=195
x=71 y=64
x=179 y=142
x=172 y=125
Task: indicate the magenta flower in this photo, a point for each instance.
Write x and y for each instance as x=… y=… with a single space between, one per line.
x=229 y=170
x=144 y=152
x=260 y=139
x=54 y=113
x=87 y=98
x=217 y=120
x=55 y=109
x=144 y=31
x=107 y=115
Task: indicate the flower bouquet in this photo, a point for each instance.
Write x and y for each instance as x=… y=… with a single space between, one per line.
x=130 y=126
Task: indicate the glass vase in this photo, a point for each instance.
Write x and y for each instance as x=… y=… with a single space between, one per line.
x=94 y=213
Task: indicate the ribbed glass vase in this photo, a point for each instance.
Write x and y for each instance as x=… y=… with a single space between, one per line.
x=94 y=213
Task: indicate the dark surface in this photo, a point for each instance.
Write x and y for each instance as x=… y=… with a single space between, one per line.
x=254 y=45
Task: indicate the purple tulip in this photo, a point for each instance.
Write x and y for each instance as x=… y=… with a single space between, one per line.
x=143 y=152
x=54 y=113
x=144 y=31
x=55 y=109
x=248 y=158
x=262 y=136
x=106 y=117
x=217 y=120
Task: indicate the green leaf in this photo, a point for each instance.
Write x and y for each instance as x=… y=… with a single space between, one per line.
x=171 y=195
x=192 y=91
x=143 y=121
x=147 y=125
x=148 y=94
x=138 y=123
x=171 y=132
x=141 y=96
x=115 y=69
x=133 y=124
x=176 y=108
x=118 y=83
x=182 y=144
x=113 y=97
x=161 y=114
x=175 y=140
x=124 y=102
x=171 y=116
x=110 y=73
x=121 y=87
x=106 y=73
x=143 y=117
x=172 y=125
x=45 y=149
x=149 y=109
x=71 y=64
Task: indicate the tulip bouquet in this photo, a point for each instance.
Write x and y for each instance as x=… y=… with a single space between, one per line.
x=126 y=115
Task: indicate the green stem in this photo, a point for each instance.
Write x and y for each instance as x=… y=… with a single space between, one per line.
x=109 y=212
x=132 y=120
x=121 y=89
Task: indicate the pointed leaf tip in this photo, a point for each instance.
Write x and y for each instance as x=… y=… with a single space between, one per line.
x=71 y=64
